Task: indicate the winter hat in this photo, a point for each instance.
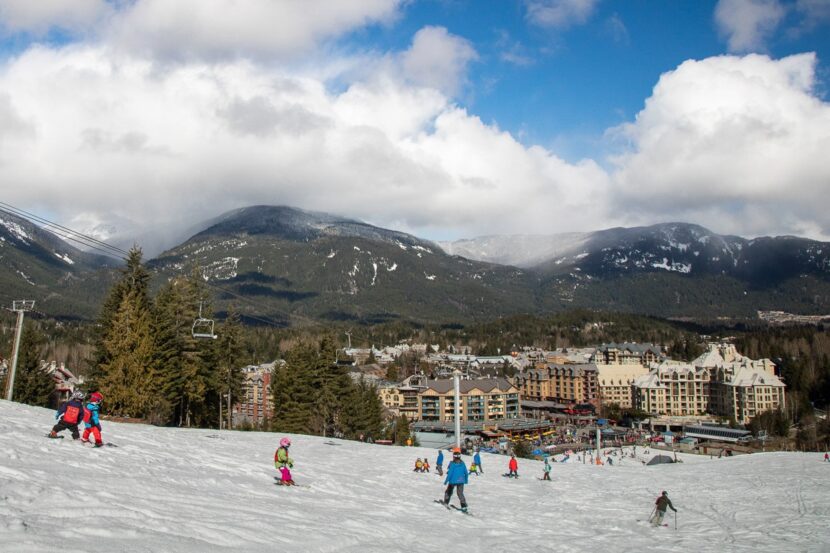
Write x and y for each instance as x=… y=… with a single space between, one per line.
x=96 y=397
x=665 y=492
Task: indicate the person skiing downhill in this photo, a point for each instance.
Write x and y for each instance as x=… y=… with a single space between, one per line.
x=477 y=462
x=826 y=457
x=284 y=463
x=456 y=478
x=663 y=502
x=514 y=467
x=91 y=422
x=69 y=415
x=547 y=469
x=419 y=465
x=439 y=463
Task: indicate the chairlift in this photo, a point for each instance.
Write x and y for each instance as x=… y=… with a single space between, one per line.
x=203 y=328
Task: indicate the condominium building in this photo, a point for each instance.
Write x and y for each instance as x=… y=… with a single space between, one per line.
x=569 y=383
x=720 y=382
x=255 y=406
x=627 y=353
x=616 y=382
x=480 y=400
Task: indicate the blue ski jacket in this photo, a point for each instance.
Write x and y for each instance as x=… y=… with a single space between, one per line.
x=440 y=460
x=477 y=459
x=456 y=473
x=91 y=418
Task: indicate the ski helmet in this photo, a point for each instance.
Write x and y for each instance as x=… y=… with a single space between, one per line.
x=96 y=397
x=665 y=492
x=77 y=394
x=285 y=442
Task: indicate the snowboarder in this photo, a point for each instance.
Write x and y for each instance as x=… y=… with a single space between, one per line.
x=477 y=462
x=456 y=478
x=419 y=466
x=69 y=415
x=513 y=466
x=547 y=469
x=91 y=422
x=663 y=502
x=439 y=463
x=284 y=463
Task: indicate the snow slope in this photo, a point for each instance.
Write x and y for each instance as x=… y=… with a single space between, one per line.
x=177 y=490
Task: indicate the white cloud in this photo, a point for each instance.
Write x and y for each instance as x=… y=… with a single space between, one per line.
x=560 y=13
x=738 y=144
x=438 y=60
x=747 y=24
x=38 y=16
x=120 y=141
x=222 y=29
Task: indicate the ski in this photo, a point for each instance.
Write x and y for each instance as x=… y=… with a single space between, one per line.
x=440 y=502
x=460 y=510
x=54 y=437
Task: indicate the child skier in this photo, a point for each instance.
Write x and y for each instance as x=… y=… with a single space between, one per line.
x=547 y=469
x=456 y=478
x=477 y=463
x=419 y=466
x=439 y=463
x=663 y=502
x=91 y=422
x=514 y=467
x=70 y=414
x=425 y=467
x=284 y=463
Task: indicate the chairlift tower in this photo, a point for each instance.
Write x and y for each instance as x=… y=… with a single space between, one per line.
x=19 y=307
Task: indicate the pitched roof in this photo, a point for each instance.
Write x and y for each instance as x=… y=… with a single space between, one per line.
x=466 y=386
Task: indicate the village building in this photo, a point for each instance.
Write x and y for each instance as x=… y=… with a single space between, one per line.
x=627 y=353
x=568 y=383
x=616 y=382
x=720 y=382
x=481 y=400
x=255 y=406
x=402 y=399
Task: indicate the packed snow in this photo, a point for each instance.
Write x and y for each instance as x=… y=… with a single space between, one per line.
x=180 y=490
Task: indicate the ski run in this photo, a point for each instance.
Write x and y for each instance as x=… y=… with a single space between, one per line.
x=182 y=490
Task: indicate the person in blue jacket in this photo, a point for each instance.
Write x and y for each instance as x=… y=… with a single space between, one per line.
x=477 y=462
x=456 y=478
x=439 y=463
x=91 y=422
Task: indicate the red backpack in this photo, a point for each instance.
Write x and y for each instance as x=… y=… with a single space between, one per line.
x=72 y=414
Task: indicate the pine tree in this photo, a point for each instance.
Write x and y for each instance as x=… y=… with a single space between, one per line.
x=228 y=351
x=127 y=377
x=33 y=385
x=293 y=391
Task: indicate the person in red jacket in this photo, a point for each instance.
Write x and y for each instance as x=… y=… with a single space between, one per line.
x=514 y=467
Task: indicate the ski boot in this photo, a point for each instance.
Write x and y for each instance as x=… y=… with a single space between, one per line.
x=53 y=434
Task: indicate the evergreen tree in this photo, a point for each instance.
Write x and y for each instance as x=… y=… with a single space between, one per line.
x=293 y=391
x=228 y=353
x=134 y=279
x=32 y=384
x=127 y=377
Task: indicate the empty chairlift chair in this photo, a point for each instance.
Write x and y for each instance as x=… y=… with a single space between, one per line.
x=203 y=328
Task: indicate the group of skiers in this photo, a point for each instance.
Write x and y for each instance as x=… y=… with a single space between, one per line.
x=421 y=465
x=73 y=412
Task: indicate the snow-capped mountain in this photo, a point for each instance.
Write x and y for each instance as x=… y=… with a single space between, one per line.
x=204 y=491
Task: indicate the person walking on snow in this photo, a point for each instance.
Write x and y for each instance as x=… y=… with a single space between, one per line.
x=826 y=457
x=419 y=466
x=456 y=478
x=514 y=467
x=284 y=463
x=425 y=467
x=91 y=422
x=547 y=469
x=69 y=415
x=663 y=502
x=477 y=462
x=439 y=463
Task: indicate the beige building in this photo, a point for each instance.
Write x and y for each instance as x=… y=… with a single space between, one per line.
x=720 y=382
x=616 y=383
x=570 y=383
x=402 y=399
x=627 y=353
x=256 y=405
x=481 y=400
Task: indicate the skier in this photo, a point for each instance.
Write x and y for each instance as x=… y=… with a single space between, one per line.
x=456 y=478
x=826 y=457
x=663 y=502
x=425 y=467
x=283 y=462
x=477 y=462
x=514 y=467
x=91 y=422
x=547 y=469
x=419 y=466
x=70 y=414
x=439 y=463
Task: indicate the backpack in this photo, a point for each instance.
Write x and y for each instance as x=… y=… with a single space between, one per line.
x=72 y=414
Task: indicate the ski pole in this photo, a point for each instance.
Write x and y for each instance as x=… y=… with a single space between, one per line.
x=651 y=516
x=675 y=520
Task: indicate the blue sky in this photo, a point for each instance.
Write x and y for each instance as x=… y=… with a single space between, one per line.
x=140 y=119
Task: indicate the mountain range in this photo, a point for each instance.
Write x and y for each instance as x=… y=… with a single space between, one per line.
x=293 y=267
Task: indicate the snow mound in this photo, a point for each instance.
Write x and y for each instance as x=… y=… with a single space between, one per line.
x=181 y=490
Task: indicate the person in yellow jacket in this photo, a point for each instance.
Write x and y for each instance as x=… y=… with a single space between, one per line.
x=284 y=463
